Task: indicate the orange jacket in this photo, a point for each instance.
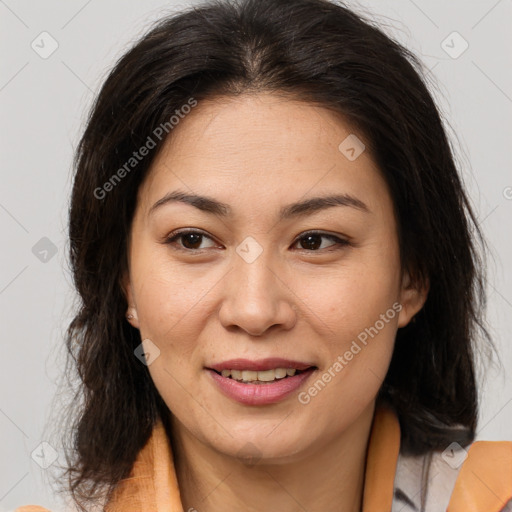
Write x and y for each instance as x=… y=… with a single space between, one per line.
x=483 y=483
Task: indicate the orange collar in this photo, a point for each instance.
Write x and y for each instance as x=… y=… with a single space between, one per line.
x=381 y=461
x=153 y=487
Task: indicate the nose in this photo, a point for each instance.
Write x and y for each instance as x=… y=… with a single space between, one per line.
x=257 y=298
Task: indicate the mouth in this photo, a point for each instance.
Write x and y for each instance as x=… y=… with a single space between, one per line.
x=263 y=376
x=260 y=382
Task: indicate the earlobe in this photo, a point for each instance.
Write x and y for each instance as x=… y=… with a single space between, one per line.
x=131 y=312
x=131 y=316
x=412 y=298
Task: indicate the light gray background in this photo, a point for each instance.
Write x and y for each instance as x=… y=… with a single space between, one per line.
x=43 y=105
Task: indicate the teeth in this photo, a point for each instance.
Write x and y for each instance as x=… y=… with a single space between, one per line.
x=236 y=374
x=267 y=375
x=248 y=375
x=261 y=376
x=280 y=373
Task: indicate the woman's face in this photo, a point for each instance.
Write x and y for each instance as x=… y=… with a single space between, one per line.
x=252 y=283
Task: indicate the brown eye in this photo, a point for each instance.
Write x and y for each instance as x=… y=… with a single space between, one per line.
x=190 y=240
x=313 y=241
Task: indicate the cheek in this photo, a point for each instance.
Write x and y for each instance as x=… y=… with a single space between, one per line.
x=174 y=303
x=169 y=297
x=171 y=309
x=356 y=312
x=352 y=297
x=356 y=362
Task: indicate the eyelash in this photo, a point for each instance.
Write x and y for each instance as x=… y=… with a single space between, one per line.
x=172 y=237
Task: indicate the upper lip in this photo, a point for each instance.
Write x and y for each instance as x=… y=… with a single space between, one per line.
x=270 y=363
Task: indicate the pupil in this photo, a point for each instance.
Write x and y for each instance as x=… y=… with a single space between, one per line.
x=310 y=242
x=191 y=239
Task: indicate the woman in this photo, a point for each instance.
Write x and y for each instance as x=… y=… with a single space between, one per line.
x=280 y=288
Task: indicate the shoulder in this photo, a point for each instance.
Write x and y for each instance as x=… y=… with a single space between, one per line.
x=478 y=478
x=485 y=477
x=31 y=508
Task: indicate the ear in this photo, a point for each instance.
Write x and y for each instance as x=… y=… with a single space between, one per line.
x=413 y=296
x=131 y=312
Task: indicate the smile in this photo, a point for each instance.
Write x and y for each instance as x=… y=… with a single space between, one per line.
x=260 y=382
x=261 y=377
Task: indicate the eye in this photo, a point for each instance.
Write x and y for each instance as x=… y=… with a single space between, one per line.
x=190 y=239
x=312 y=241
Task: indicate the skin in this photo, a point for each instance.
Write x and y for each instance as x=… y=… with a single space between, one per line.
x=258 y=153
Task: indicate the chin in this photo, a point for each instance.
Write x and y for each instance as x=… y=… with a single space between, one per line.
x=263 y=443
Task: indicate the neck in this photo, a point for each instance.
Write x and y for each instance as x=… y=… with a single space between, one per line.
x=329 y=478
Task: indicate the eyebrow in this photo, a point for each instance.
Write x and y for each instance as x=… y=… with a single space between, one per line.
x=298 y=209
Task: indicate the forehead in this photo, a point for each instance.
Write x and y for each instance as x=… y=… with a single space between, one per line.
x=264 y=124
x=262 y=146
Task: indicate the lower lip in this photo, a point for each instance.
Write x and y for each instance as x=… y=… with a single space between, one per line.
x=260 y=394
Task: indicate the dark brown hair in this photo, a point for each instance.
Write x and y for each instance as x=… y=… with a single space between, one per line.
x=319 y=52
